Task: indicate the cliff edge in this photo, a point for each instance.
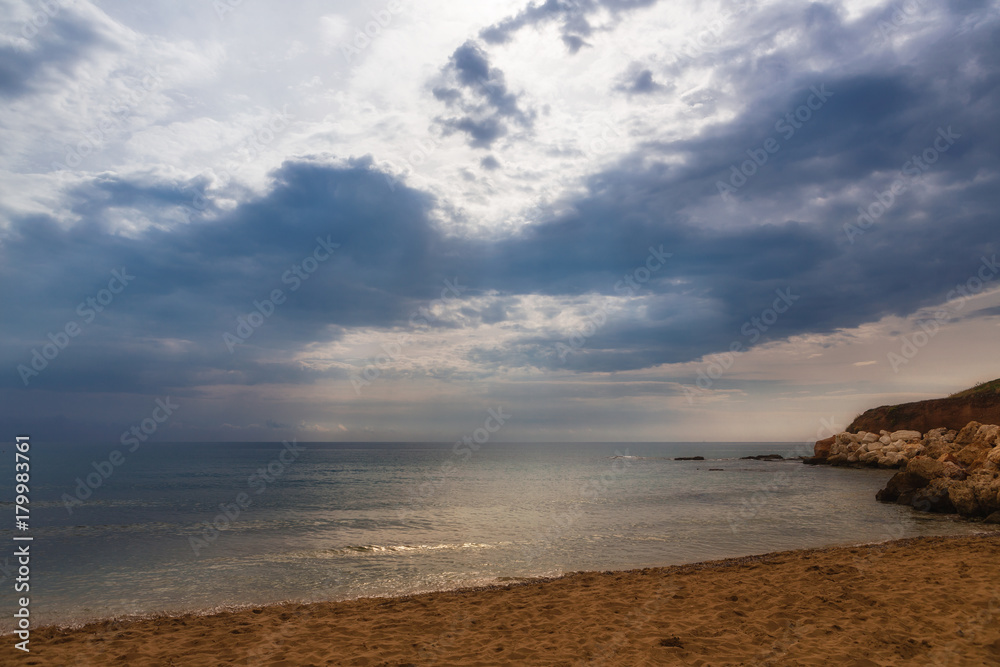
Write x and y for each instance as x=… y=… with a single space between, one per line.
x=980 y=403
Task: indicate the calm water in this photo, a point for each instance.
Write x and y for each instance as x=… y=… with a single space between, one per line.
x=345 y=520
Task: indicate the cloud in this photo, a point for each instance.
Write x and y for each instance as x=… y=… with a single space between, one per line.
x=191 y=283
x=52 y=50
x=640 y=82
x=574 y=43
x=572 y=15
x=985 y=312
x=490 y=163
x=479 y=91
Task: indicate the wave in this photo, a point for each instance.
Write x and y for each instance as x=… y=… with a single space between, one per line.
x=357 y=551
x=364 y=549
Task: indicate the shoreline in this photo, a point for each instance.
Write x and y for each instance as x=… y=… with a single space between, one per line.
x=499 y=582
x=607 y=617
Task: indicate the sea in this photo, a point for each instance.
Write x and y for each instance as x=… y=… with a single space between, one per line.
x=180 y=527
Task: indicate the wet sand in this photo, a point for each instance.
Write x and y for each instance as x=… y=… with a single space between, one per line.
x=922 y=601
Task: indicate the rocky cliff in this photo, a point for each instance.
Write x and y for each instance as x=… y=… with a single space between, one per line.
x=981 y=403
x=943 y=470
x=964 y=479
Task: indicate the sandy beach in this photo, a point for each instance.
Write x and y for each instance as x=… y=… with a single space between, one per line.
x=921 y=601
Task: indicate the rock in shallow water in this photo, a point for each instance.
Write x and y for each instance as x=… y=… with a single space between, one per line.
x=900 y=483
x=822 y=447
x=932 y=498
x=963 y=497
x=964 y=477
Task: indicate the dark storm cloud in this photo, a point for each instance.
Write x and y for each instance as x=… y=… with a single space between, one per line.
x=573 y=16
x=191 y=283
x=935 y=235
x=479 y=92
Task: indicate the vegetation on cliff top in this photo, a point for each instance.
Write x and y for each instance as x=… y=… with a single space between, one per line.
x=991 y=387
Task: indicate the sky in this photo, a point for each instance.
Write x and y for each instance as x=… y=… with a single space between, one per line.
x=611 y=220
